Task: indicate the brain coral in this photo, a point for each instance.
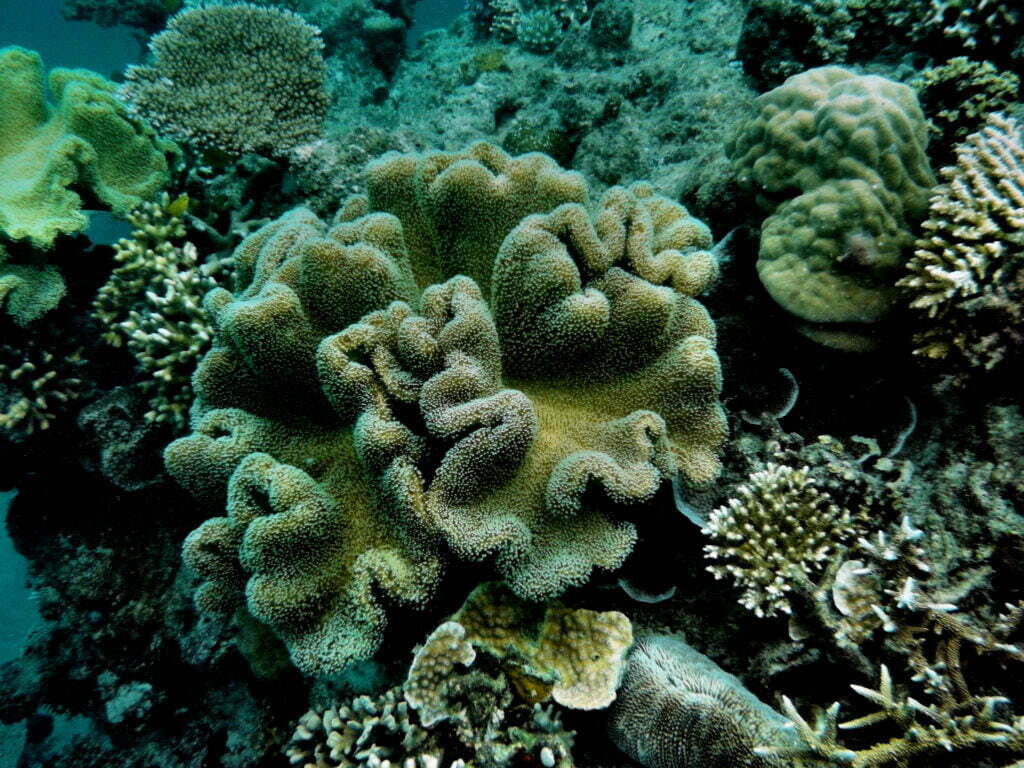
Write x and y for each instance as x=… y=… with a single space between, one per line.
x=839 y=161
x=677 y=708
x=239 y=78
x=86 y=141
x=472 y=356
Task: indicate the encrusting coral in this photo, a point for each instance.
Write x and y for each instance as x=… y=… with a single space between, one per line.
x=474 y=357
x=781 y=529
x=239 y=78
x=574 y=655
x=85 y=141
x=966 y=275
x=838 y=161
x=152 y=304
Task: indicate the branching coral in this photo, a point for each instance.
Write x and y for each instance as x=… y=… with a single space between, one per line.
x=538 y=25
x=782 y=529
x=152 y=304
x=239 y=78
x=365 y=391
x=34 y=386
x=966 y=275
x=85 y=142
x=838 y=159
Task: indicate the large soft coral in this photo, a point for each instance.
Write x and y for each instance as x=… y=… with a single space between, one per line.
x=471 y=357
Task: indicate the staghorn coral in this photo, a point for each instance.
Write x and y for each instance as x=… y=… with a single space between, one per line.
x=505 y=429
x=676 y=707
x=85 y=142
x=35 y=385
x=238 y=78
x=575 y=655
x=965 y=276
x=838 y=160
x=959 y=95
x=781 y=529
x=152 y=304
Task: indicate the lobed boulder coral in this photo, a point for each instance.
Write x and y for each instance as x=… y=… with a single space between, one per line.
x=473 y=357
x=84 y=142
x=838 y=160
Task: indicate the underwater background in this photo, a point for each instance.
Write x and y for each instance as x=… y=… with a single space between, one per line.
x=512 y=383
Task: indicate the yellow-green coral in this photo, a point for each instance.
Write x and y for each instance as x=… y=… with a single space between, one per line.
x=28 y=290
x=577 y=654
x=561 y=370
x=966 y=274
x=34 y=385
x=84 y=141
x=847 y=153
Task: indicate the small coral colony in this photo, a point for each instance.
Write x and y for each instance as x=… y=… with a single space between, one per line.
x=591 y=383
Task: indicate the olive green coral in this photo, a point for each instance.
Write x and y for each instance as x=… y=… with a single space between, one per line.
x=473 y=357
x=28 y=290
x=838 y=160
x=86 y=140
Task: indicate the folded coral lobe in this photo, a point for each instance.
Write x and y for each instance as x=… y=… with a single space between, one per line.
x=473 y=360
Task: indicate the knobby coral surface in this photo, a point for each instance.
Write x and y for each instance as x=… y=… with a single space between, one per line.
x=473 y=356
x=838 y=160
x=239 y=78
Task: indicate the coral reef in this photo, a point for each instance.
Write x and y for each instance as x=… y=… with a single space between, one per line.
x=575 y=655
x=35 y=385
x=838 y=161
x=959 y=95
x=780 y=526
x=303 y=417
x=85 y=142
x=28 y=290
x=147 y=15
x=237 y=78
x=538 y=25
x=677 y=707
x=965 y=275
x=152 y=304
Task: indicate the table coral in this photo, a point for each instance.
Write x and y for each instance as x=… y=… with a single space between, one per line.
x=473 y=357
x=86 y=140
x=238 y=78
x=838 y=159
x=965 y=276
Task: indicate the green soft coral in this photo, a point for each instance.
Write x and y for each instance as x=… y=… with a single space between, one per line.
x=27 y=291
x=85 y=140
x=472 y=358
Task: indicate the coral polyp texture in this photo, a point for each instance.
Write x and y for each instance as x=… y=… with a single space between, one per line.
x=239 y=78
x=966 y=276
x=574 y=655
x=678 y=708
x=838 y=160
x=779 y=530
x=84 y=141
x=28 y=290
x=473 y=359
